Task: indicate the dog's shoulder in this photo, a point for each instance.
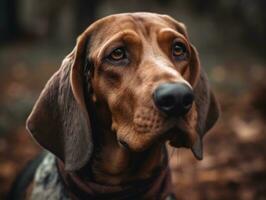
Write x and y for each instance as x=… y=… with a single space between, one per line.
x=39 y=180
x=47 y=183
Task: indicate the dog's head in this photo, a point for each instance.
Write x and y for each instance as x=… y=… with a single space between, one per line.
x=141 y=77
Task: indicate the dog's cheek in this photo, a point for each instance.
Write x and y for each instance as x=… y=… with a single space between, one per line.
x=121 y=105
x=147 y=120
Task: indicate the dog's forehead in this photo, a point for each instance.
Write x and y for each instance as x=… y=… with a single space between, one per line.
x=142 y=23
x=133 y=20
x=138 y=22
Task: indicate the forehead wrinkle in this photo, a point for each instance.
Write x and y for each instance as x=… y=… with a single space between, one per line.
x=102 y=32
x=97 y=53
x=177 y=25
x=172 y=32
x=148 y=25
x=142 y=25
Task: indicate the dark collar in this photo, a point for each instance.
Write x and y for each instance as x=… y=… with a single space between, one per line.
x=156 y=187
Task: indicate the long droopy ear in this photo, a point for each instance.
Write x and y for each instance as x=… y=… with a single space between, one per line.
x=59 y=120
x=206 y=105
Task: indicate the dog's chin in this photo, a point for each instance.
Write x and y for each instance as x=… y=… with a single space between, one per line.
x=136 y=147
x=141 y=142
x=136 y=142
x=178 y=138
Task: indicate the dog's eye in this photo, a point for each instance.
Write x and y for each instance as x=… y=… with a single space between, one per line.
x=117 y=54
x=179 y=50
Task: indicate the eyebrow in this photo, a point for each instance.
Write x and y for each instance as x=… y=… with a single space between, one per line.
x=117 y=36
x=172 y=32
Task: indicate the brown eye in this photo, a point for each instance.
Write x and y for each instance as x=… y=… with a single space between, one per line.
x=118 y=54
x=179 y=50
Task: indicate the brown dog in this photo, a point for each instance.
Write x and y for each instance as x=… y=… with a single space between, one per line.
x=132 y=82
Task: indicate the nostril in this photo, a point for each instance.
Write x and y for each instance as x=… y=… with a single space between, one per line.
x=187 y=100
x=167 y=102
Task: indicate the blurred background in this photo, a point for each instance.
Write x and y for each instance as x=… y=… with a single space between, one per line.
x=230 y=36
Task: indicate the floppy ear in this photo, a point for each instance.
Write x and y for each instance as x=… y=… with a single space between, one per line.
x=59 y=120
x=207 y=107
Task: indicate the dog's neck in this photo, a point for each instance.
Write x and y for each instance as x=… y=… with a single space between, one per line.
x=116 y=172
x=80 y=187
x=113 y=164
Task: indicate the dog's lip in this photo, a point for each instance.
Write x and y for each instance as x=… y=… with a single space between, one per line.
x=169 y=133
x=123 y=144
x=176 y=137
x=172 y=133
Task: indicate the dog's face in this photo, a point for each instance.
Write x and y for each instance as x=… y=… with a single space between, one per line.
x=139 y=54
x=146 y=86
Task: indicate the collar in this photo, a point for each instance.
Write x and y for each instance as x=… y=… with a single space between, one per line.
x=156 y=187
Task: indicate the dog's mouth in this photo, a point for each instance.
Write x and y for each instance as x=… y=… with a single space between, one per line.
x=123 y=144
x=150 y=127
x=179 y=138
x=175 y=135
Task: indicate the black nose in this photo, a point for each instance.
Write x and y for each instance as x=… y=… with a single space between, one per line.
x=173 y=98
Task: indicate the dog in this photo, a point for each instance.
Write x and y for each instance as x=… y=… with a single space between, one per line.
x=132 y=83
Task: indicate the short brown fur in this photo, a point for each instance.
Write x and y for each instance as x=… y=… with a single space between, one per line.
x=117 y=100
